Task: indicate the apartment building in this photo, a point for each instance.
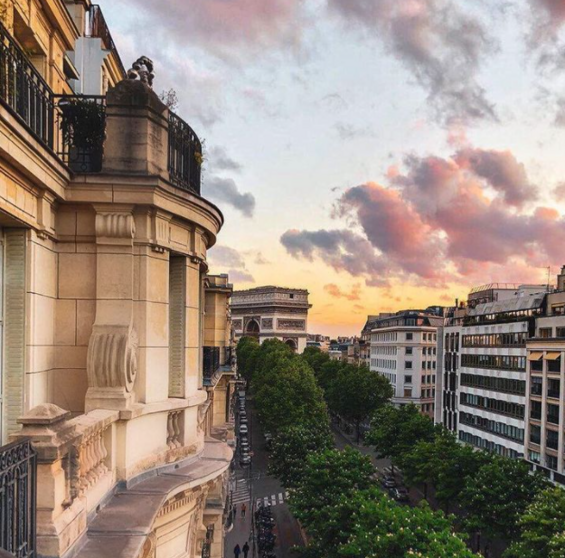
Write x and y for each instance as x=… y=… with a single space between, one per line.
x=545 y=381
x=404 y=349
x=104 y=234
x=485 y=357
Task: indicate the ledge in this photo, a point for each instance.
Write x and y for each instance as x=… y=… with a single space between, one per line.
x=141 y=409
x=122 y=527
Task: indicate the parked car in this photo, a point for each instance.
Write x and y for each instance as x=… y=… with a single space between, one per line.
x=245 y=460
x=399 y=494
x=243 y=420
x=243 y=429
x=244 y=447
x=389 y=482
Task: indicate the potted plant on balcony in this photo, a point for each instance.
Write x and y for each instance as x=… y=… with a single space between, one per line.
x=83 y=128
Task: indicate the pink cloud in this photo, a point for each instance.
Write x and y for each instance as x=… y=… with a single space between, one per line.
x=222 y=25
x=468 y=218
x=336 y=292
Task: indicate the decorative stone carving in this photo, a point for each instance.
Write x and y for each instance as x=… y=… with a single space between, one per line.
x=142 y=70
x=267 y=323
x=115 y=225
x=299 y=325
x=237 y=325
x=112 y=358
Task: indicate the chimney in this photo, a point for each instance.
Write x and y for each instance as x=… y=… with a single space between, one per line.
x=561 y=280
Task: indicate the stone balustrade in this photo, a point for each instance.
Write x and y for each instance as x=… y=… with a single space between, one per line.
x=174 y=423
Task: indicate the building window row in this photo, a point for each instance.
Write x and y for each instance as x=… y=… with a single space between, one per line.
x=553 y=387
x=500 y=362
x=452 y=342
x=429 y=365
x=429 y=379
x=391 y=351
x=383 y=363
x=495 y=340
x=552 y=412
x=492 y=426
x=505 y=385
x=487 y=445
x=385 y=336
x=493 y=405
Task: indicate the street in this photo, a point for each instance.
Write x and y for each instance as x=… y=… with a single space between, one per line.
x=252 y=485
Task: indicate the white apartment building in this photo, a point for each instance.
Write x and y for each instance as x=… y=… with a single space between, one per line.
x=404 y=349
x=484 y=388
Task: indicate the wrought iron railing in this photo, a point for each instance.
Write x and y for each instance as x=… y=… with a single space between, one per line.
x=96 y=27
x=18 y=478
x=207 y=545
x=211 y=362
x=81 y=129
x=23 y=89
x=185 y=155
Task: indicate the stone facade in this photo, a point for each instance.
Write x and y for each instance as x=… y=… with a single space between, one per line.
x=108 y=309
x=272 y=312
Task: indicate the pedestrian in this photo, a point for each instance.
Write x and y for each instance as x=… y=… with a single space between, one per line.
x=236 y=551
x=234 y=510
x=243 y=510
x=245 y=549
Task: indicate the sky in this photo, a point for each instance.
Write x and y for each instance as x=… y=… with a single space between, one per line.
x=383 y=154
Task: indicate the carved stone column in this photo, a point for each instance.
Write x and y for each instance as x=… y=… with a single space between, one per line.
x=113 y=346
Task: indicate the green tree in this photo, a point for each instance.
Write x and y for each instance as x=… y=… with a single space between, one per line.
x=327 y=375
x=245 y=350
x=497 y=496
x=322 y=501
x=291 y=448
x=541 y=526
x=290 y=397
x=315 y=358
x=443 y=462
x=396 y=430
x=357 y=393
x=382 y=528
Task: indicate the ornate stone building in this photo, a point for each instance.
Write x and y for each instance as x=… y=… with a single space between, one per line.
x=109 y=315
x=272 y=312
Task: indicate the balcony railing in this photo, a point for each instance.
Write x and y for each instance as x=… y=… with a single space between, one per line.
x=18 y=478
x=185 y=155
x=81 y=129
x=74 y=126
x=96 y=27
x=211 y=363
x=24 y=91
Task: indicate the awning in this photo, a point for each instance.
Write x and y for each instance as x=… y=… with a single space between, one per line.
x=535 y=356
x=552 y=356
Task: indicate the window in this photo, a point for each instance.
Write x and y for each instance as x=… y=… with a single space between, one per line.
x=536 y=387
x=552 y=440
x=545 y=332
x=407 y=392
x=553 y=388
x=554 y=364
x=535 y=434
x=534 y=456
x=553 y=414
x=408 y=365
x=500 y=362
x=560 y=330
x=409 y=350
x=409 y=336
x=407 y=379
x=535 y=410
x=551 y=461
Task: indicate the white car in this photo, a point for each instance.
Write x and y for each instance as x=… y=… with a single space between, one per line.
x=243 y=429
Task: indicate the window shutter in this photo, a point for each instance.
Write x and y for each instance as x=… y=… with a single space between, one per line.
x=14 y=328
x=177 y=321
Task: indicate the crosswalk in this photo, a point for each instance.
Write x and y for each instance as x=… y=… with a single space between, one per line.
x=241 y=492
x=272 y=500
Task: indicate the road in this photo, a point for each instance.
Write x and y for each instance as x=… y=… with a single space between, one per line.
x=249 y=485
